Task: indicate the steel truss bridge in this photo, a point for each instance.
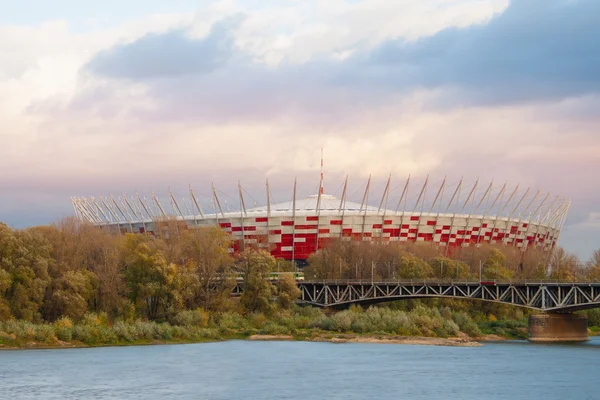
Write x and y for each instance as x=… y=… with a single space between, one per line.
x=553 y=297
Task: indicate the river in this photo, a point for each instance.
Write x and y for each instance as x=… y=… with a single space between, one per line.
x=304 y=370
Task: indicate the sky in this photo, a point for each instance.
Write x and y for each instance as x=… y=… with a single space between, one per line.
x=101 y=98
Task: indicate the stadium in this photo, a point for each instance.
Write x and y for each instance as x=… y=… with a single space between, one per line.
x=293 y=230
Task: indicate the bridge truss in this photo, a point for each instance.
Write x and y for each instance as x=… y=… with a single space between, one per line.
x=548 y=297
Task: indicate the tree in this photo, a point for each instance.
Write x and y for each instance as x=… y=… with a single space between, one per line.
x=447 y=268
x=5 y=284
x=413 y=267
x=287 y=291
x=564 y=266
x=325 y=264
x=255 y=266
x=151 y=280
x=205 y=253
x=24 y=255
x=593 y=267
x=494 y=267
x=81 y=247
x=70 y=295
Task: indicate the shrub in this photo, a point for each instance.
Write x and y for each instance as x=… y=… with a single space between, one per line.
x=208 y=333
x=312 y=313
x=450 y=328
x=164 y=331
x=94 y=335
x=45 y=333
x=191 y=318
x=232 y=321
x=63 y=328
x=272 y=328
x=91 y=319
x=124 y=331
x=323 y=322
x=466 y=324
x=145 y=330
x=257 y=320
x=342 y=321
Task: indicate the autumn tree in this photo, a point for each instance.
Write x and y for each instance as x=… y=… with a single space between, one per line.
x=330 y=262
x=286 y=291
x=205 y=254
x=5 y=285
x=255 y=266
x=411 y=266
x=494 y=267
x=593 y=267
x=24 y=256
x=564 y=266
x=70 y=295
x=447 y=268
x=151 y=280
x=80 y=249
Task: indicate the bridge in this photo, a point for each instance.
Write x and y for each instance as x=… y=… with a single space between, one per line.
x=556 y=301
x=550 y=297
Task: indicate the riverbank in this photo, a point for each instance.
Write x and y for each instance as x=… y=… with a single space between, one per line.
x=323 y=337
x=420 y=325
x=313 y=336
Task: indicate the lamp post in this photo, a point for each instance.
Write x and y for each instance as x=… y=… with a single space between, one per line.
x=372 y=271
x=481 y=264
x=456 y=270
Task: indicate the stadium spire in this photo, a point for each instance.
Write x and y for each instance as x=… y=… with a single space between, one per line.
x=321 y=188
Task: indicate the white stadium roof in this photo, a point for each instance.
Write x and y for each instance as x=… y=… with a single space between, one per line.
x=310 y=205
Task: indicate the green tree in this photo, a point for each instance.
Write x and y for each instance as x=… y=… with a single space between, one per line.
x=287 y=291
x=447 y=268
x=255 y=266
x=5 y=285
x=24 y=255
x=494 y=267
x=70 y=295
x=151 y=280
x=82 y=247
x=411 y=266
x=208 y=265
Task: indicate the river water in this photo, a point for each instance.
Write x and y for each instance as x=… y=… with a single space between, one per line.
x=304 y=370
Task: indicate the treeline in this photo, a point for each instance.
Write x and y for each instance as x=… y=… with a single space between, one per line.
x=397 y=261
x=70 y=269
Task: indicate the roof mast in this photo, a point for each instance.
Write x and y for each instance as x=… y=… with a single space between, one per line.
x=321 y=188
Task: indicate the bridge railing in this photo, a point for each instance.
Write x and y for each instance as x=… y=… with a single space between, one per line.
x=439 y=282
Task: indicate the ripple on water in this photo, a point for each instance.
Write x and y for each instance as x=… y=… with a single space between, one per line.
x=304 y=370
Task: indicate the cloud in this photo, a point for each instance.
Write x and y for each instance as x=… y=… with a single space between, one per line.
x=158 y=55
x=535 y=50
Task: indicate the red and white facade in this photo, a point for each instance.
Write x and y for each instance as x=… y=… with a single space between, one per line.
x=298 y=228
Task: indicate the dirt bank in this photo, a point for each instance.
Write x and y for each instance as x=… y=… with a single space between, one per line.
x=429 y=341
x=270 y=337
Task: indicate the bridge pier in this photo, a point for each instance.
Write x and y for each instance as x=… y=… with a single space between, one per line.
x=558 y=328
